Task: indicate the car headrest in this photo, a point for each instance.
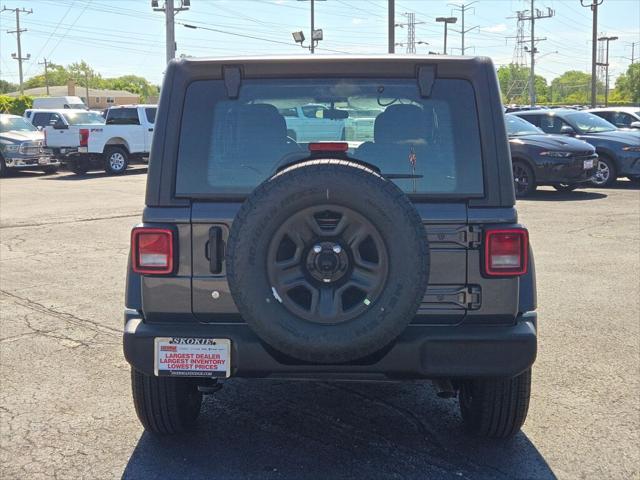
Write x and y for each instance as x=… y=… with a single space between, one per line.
x=401 y=123
x=260 y=122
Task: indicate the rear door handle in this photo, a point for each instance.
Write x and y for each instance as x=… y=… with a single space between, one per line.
x=215 y=249
x=151 y=129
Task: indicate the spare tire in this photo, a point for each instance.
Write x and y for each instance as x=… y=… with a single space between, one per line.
x=327 y=261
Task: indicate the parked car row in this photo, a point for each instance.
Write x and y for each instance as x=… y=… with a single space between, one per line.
x=83 y=140
x=618 y=150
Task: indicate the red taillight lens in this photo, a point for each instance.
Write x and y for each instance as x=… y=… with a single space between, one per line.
x=506 y=252
x=328 y=147
x=84 y=137
x=152 y=250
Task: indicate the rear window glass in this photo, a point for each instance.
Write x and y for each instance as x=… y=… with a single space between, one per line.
x=229 y=146
x=84 y=118
x=122 y=116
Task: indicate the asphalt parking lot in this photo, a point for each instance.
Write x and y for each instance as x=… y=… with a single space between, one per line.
x=65 y=407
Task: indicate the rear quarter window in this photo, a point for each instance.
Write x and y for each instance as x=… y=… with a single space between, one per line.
x=229 y=146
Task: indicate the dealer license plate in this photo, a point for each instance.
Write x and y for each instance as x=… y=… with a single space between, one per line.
x=588 y=164
x=192 y=357
x=43 y=161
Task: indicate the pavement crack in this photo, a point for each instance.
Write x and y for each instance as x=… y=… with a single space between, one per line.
x=64 y=316
x=77 y=220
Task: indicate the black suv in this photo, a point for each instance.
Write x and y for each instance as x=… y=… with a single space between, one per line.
x=395 y=258
x=618 y=150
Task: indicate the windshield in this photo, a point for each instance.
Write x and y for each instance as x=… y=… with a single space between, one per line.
x=229 y=146
x=84 y=118
x=516 y=126
x=76 y=105
x=589 y=123
x=15 y=124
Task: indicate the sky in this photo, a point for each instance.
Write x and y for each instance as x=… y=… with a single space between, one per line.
x=120 y=37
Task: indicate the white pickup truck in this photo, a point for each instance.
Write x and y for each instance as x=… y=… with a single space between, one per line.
x=123 y=138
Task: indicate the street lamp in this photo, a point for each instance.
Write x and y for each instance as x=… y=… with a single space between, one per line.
x=446 y=21
x=316 y=34
x=298 y=37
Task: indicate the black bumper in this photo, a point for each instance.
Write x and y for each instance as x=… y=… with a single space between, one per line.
x=420 y=352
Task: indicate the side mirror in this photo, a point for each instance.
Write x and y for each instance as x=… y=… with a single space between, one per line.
x=567 y=130
x=635 y=124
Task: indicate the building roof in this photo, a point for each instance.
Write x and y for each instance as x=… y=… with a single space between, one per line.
x=63 y=91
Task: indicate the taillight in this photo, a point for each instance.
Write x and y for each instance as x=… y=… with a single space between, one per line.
x=506 y=252
x=84 y=137
x=152 y=250
x=338 y=147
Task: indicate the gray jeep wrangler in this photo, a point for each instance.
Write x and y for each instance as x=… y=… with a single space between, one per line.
x=391 y=252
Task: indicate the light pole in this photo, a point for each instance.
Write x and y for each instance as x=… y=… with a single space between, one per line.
x=316 y=35
x=170 y=12
x=446 y=21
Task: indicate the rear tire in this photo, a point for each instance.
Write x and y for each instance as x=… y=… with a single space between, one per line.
x=524 y=181
x=116 y=160
x=495 y=407
x=165 y=405
x=50 y=170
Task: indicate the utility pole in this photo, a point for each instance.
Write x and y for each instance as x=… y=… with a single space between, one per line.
x=605 y=64
x=462 y=9
x=391 y=20
x=46 y=73
x=86 y=87
x=594 y=44
x=446 y=21
x=18 y=31
x=535 y=14
x=316 y=35
x=170 y=12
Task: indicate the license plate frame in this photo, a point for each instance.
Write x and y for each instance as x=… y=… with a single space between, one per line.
x=43 y=161
x=192 y=357
x=587 y=164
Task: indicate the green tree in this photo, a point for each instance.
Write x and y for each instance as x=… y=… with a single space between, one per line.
x=6 y=87
x=514 y=85
x=573 y=88
x=131 y=83
x=58 y=75
x=628 y=86
x=15 y=105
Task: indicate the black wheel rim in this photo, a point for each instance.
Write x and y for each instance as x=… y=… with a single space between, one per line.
x=327 y=264
x=521 y=179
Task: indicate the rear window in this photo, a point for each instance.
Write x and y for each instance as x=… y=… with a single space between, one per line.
x=84 y=118
x=123 y=116
x=229 y=146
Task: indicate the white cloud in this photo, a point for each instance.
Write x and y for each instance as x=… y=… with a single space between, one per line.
x=499 y=28
x=357 y=21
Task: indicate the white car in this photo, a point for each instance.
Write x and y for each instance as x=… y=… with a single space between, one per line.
x=111 y=143
x=314 y=123
x=621 y=117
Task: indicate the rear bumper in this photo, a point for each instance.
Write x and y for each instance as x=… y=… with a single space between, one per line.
x=420 y=352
